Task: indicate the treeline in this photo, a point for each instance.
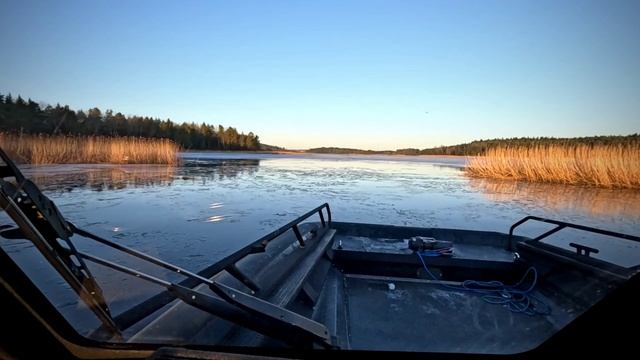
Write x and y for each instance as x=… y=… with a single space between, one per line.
x=338 y=150
x=20 y=116
x=480 y=147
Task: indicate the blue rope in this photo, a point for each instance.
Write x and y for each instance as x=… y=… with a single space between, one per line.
x=514 y=297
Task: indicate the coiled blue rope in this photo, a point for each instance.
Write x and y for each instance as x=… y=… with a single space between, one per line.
x=516 y=298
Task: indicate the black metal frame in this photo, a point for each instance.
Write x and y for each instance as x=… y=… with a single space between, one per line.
x=580 y=249
x=40 y=221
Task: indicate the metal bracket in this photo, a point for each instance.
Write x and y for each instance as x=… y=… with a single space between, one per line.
x=584 y=250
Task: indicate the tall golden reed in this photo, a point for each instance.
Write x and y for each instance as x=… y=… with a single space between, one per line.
x=610 y=166
x=44 y=149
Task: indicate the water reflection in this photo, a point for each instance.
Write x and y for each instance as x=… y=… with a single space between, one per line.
x=98 y=177
x=215 y=218
x=216 y=205
x=587 y=200
x=218 y=169
x=116 y=177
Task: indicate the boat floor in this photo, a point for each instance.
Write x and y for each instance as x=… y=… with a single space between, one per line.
x=392 y=314
x=353 y=288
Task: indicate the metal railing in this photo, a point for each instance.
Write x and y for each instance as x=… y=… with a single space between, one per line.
x=562 y=225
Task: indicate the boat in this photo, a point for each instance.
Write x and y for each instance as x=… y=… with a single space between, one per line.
x=317 y=287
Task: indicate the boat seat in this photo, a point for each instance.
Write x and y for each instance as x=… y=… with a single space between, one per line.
x=281 y=273
x=355 y=251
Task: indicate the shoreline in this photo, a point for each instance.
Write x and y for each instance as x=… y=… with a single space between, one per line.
x=303 y=152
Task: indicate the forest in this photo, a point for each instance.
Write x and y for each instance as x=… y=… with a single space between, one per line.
x=29 y=117
x=480 y=147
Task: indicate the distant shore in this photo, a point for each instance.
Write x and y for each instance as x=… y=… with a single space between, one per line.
x=304 y=152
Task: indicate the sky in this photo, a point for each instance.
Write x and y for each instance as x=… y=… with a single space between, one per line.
x=363 y=74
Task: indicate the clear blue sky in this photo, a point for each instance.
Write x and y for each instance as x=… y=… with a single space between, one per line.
x=337 y=73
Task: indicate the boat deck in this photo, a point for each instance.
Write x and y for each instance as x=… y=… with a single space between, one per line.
x=401 y=315
x=372 y=293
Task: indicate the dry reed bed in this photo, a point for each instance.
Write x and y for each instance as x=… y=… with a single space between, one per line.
x=610 y=166
x=34 y=149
